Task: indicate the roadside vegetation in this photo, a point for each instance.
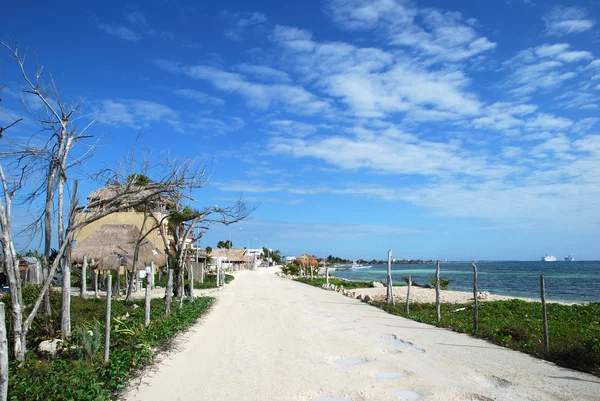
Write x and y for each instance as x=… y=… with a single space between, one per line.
x=349 y=285
x=210 y=281
x=574 y=330
x=78 y=371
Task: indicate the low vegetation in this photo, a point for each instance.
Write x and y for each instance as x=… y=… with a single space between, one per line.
x=210 y=281
x=574 y=330
x=77 y=371
x=349 y=285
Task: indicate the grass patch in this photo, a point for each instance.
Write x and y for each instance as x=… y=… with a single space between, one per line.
x=574 y=330
x=349 y=285
x=75 y=375
x=210 y=281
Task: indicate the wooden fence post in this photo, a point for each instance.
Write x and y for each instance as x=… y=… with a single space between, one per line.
x=191 y=283
x=327 y=275
x=438 y=316
x=149 y=279
x=408 y=295
x=84 y=266
x=108 y=306
x=169 y=292
x=390 y=292
x=544 y=315
x=3 y=356
x=476 y=308
x=96 y=271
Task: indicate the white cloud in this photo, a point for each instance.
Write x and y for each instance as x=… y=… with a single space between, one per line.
x=136 y=112
x=121 y=32
x=293 y=98
x=198 y=96
x=544 y=67
x=264 y=73
x=241 y=23
x=429 y=32
x=567 y=20
x=543 y=121
x=137 y=26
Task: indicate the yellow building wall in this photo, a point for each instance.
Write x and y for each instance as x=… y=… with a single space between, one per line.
x=135 y=218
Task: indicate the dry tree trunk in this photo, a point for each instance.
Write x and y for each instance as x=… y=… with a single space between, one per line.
x=65 y=310
x=3 y=356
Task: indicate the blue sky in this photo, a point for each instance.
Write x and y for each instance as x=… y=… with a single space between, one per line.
x=468 y=132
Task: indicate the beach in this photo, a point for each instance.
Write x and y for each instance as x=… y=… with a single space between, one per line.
x=271 y=338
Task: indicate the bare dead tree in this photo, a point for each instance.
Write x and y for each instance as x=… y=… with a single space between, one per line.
x=59 y=124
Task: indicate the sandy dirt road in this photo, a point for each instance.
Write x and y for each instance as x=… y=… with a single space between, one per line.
x=269 y=339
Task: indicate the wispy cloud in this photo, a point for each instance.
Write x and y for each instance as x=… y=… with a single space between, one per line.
x=295 y=99
x=120 y=32
x=135 y=27
x=561 y=21
x=242 y=23
x=445 y=36
x=198 y=96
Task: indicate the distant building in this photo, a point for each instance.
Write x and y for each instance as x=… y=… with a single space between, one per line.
x=289 y=259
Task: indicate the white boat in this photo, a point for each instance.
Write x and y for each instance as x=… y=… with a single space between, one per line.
x=548 y=258
x=569 y=258
x=357 y=266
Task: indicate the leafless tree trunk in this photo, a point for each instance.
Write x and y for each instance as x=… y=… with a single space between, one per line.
x=65 y=311
x=3 y=356
x=108 y=308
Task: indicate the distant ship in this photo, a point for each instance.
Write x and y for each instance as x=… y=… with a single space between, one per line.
x=358 y=266
x=548 y=258
x=569 y=258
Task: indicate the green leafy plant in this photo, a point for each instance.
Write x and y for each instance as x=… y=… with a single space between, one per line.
x=90 y=338
x=444 y=283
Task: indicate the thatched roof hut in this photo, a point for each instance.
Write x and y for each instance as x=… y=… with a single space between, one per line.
x=117 y=239
x=306 y=260
x=234 y=255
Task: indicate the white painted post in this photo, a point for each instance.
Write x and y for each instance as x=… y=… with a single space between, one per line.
x=192 y=283
x=108 y=306
x=202 y=267
x=149 y=278
x=96 y=271
x=437 y=293
x=327 y=275
x=390 y=293
x=169 y=292
x=476 y=308
x=3 y=356
x=84 y=266
x=408 y=295
x=544 y=315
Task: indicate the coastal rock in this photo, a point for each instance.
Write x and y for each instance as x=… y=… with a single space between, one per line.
x=49 y=346
x=367 y=298
x=377 y=284
x=359 y=296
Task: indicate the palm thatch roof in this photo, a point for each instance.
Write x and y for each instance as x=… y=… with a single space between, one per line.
x=117 y=239
x=306 y=260
x=232 y=255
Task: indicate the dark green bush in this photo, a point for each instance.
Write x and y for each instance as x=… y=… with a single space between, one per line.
x=70 y=376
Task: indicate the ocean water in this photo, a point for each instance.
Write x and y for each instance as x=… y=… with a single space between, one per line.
x=565 y=281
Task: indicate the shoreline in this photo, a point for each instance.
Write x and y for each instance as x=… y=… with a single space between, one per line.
x=426 y=295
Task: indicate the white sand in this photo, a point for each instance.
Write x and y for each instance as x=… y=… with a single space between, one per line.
x=269 y=339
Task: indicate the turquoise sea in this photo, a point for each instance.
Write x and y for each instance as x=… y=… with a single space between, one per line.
x=565 y=281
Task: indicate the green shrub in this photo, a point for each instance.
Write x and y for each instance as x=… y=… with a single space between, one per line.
x=444 y=283
x=66 y=377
